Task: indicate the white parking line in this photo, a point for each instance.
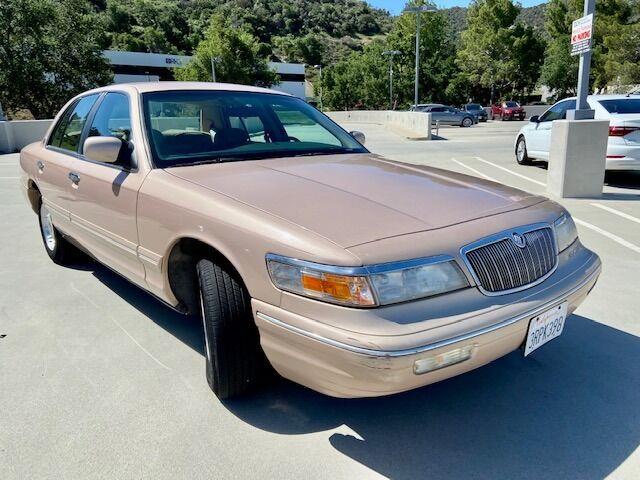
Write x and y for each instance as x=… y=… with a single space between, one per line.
x=511 y=172
x=609 y=235
x=617 y=212
x=477 y=172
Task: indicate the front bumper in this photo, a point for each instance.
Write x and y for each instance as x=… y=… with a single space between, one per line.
x=343 y=365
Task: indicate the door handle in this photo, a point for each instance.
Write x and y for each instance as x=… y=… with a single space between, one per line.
x=40 y=165
x=74 y=177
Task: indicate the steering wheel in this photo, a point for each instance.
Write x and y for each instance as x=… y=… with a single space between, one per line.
x=294 y=139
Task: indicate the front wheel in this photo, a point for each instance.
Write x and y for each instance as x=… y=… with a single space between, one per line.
x=235 y=362
x=467 y=122
x=521 y=152
x=56 y=246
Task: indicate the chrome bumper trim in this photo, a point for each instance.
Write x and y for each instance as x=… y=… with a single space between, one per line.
x=425 y=348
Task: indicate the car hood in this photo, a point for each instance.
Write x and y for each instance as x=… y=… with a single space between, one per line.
x=353 y=199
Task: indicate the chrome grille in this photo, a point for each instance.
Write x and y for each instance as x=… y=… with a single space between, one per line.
x=502 y=265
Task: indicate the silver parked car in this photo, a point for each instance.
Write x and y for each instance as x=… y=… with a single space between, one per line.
x=446 y=114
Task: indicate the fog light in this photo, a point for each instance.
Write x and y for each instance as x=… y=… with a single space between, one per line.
x=443 y=359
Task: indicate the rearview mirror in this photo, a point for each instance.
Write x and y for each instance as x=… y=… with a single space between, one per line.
x=359 y=136
x=534 y=119
x=103 y=149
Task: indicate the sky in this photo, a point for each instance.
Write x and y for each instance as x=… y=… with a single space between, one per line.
x=396 y=6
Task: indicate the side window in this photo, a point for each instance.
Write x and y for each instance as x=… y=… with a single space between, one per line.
x=68 y=132
x=300 y=128
x=437 y=109
x=558 y=111
x=252 y=124
x=112 y=118
x=58 y=130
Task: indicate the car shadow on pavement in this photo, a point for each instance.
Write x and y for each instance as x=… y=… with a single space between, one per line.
x=571 y=410
x=186 y=328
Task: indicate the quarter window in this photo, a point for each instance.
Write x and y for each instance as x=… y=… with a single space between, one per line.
x=69 y=130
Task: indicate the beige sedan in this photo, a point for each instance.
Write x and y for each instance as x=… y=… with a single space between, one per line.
x=351 y=274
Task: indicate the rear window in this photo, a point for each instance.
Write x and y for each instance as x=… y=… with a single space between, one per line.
x=511 y=104
x=621 y=105
x=473 y=106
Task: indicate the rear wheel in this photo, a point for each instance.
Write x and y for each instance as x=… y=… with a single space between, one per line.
x=58 y=249
x=467 y=122
x=521 y=152
x=235 y=362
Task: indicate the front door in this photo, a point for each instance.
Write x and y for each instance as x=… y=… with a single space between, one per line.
x=105 y=195
x=55 y=164
x=539 y=139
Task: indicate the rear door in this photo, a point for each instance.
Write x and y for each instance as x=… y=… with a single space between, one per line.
x=56 y=161
x=104 y=201
x=438 y=114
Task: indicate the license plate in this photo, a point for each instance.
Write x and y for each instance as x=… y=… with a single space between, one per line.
x=545 y=327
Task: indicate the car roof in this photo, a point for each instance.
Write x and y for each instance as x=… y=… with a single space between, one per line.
x=146 y=87
x=610 y=96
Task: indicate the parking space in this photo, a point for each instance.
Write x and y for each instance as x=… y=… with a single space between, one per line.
x=99 y=380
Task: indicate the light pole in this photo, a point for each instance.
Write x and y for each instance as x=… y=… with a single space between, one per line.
x=418 y=10
x=391 y=54
x=213 y=67
x=583 y=110
x=319 y=67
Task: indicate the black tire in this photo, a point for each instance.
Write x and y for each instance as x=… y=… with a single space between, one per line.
x=56 y=246
x=467 y=122
x=521 y=152
x=235 y=362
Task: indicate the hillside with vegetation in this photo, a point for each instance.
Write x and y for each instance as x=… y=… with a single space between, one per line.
x=493 y=49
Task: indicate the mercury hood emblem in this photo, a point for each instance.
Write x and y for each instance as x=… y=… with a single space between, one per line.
x=519 y=240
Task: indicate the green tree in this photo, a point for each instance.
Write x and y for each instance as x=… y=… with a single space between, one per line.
x=496 y=51
x=159 y=26
x=238 y=56
x=50 y=51
x=437 y=56
x=362 y=80
x=615 y=45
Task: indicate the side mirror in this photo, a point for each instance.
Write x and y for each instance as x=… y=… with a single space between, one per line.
x=359 y=136
x=534 y=119
x=103 y=149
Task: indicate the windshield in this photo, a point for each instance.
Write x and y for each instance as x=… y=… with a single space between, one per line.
x=622 y=105
x=206 y=126
x=473 y=106
x=511 y=104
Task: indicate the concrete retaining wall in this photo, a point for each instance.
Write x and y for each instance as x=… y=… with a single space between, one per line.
x=16 y=134
x=416 y=125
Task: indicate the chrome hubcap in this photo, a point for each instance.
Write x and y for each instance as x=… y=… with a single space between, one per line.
x=47 y=228
x=520 y=150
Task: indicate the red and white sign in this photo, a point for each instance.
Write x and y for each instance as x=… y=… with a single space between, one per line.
x=581 y=32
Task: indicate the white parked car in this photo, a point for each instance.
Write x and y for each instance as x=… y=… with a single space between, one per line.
x=623 y=113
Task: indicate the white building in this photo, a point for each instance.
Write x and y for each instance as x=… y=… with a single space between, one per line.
x=151 y=67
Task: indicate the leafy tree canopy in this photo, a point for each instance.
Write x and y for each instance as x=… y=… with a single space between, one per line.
x=239 y=57
x=50 y=51
x=496 y=51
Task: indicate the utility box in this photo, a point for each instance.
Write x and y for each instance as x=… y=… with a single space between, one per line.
x=577 y=158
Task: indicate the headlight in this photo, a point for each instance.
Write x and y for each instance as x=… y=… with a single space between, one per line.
x=367 y=286
x=566 y=232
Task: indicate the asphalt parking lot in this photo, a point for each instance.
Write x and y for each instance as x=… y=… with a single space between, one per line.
x=99 y=380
